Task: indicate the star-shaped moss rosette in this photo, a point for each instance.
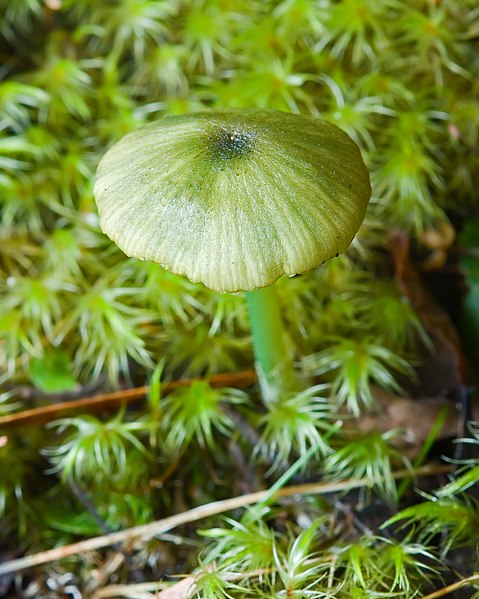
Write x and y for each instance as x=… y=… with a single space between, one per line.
x=235 y=199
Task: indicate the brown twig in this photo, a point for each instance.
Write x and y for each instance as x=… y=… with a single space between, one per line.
x=453 y=587
x=144 y=590
x=147 y=531
x=163 y=590
x=108 y=401
x=159 y=481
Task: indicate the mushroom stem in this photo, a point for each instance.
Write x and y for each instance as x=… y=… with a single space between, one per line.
x=272 y=350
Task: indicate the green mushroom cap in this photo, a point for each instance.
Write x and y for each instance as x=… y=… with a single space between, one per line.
x=233 y=198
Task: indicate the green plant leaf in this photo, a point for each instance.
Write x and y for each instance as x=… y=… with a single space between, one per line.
x=69 y=521
x=51 y=373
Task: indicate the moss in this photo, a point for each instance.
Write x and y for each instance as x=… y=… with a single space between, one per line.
x=401 y=78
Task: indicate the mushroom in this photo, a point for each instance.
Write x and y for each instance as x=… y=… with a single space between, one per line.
x=235 y=199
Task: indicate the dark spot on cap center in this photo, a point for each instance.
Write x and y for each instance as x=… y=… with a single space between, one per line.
x=229 y=144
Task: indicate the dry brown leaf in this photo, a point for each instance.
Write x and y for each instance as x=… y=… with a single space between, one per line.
x=182 y=589
x=414 y=415
x=444 y=370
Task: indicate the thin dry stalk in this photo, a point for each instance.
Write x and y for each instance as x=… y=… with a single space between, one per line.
x=453 y=587
x=147 y=531
x=109 y=401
